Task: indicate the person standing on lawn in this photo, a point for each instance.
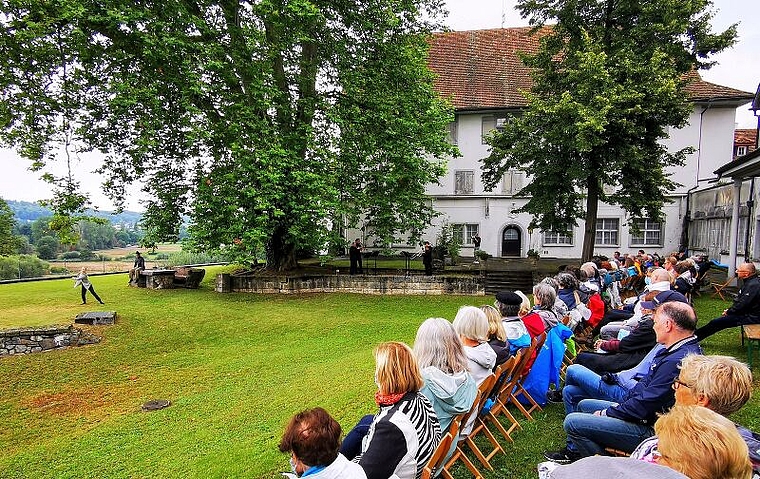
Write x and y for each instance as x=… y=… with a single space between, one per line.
x=84 y=281
x=746 y=307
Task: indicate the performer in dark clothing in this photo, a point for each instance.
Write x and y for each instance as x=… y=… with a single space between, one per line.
x=355 y=256
x=476 y=241
x=427 y=258
x=746 y=307
x=139 y=265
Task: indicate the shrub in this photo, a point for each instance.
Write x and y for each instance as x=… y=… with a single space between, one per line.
x=185 y=257
x=23 y=266
x=71 y=255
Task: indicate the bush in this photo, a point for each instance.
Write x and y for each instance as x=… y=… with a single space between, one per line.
x=71 y=255
x=59 y=270
x=184 y=257
x=24 y=266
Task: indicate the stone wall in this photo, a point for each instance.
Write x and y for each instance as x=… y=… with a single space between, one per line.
x=33 y=340
x=415 y=284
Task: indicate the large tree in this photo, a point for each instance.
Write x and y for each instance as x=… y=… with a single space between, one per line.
x=608 y=84
x=273 y=123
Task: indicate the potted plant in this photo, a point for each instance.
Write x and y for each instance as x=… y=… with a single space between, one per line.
x=533 y=255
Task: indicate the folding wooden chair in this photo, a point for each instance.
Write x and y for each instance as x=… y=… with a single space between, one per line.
x=719 y=287
x=504 y=373
x=436 y=464
x=458 y=454
x=503 y=398
x=479 y=426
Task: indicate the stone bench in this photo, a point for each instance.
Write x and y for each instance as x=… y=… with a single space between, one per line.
x=187 y=277
x=156 y=279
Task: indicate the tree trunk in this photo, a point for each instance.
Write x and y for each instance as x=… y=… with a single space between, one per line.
x=592 y=208
x=281 y=256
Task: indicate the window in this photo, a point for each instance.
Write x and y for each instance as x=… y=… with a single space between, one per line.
x=463 y=180
x=650 y=233
x=490 y=123
x=607 y=231
x=451 y=132
x=463 y=232
x=558 y=237
x=741 y=150
x=513 y=182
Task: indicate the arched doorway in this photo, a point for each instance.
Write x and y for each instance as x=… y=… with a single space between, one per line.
x=511 y=241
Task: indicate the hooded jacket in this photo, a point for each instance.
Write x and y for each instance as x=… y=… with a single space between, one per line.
x=480 y=361
x=450 y=394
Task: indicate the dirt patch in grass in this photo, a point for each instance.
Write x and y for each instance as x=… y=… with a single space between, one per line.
x=68 y=402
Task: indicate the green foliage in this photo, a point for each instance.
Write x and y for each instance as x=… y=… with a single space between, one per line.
x=47 y=247
x=71 y=255
x=9 y=242
x=534 y=253
x=482 y=255
x=273 y=124
x=447 y=242
x=185 y=257
x=22 y=266
x=608 y=84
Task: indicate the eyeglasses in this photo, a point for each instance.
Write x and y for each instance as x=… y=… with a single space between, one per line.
x=677 y=383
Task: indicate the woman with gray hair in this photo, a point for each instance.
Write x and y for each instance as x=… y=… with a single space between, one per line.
x=559 y=306
x=440 y=355
x=544 y=296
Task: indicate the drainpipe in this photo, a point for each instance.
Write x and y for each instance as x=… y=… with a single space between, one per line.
x=750 y=205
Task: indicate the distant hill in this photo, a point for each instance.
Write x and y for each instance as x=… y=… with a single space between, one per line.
x=27 y=212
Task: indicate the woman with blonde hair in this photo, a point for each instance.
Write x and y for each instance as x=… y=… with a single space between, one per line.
x=701 y=444
x=82 y=280
x=497 y=335
x=440 y=355
x=719 y=383
x=404 y=433
x=471 y=325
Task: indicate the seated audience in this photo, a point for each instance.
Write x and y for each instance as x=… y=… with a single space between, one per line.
x=746 y=306
x=659 y=281
x=620 y=354
x=624 y=424
x=517 y=334
x=684 y=280
x=695 y=443
x=471 y=325
x=404 y=433
x=448 y=385
x=542 y=317
x=719 y=383
x=497 y=336
x=312 y=438
x=701 y=444
x=560 y=308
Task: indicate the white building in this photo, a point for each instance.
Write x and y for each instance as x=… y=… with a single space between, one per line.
x=481 y=74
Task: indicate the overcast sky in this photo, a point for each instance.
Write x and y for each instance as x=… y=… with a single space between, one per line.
x=737 y=68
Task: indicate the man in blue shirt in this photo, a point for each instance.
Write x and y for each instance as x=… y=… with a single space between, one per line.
x=600 y=424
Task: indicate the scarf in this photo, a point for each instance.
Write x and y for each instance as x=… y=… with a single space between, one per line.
x=387 y=399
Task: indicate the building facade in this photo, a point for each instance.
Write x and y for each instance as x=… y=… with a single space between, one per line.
x=482 y=75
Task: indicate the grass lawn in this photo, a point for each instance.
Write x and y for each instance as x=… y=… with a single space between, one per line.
x=235 y=366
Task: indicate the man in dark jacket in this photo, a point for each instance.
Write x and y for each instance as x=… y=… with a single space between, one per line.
x=746 y=307
x=599 y=424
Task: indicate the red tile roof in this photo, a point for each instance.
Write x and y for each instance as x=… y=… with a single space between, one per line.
x=745 y=137
x=480 y=69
